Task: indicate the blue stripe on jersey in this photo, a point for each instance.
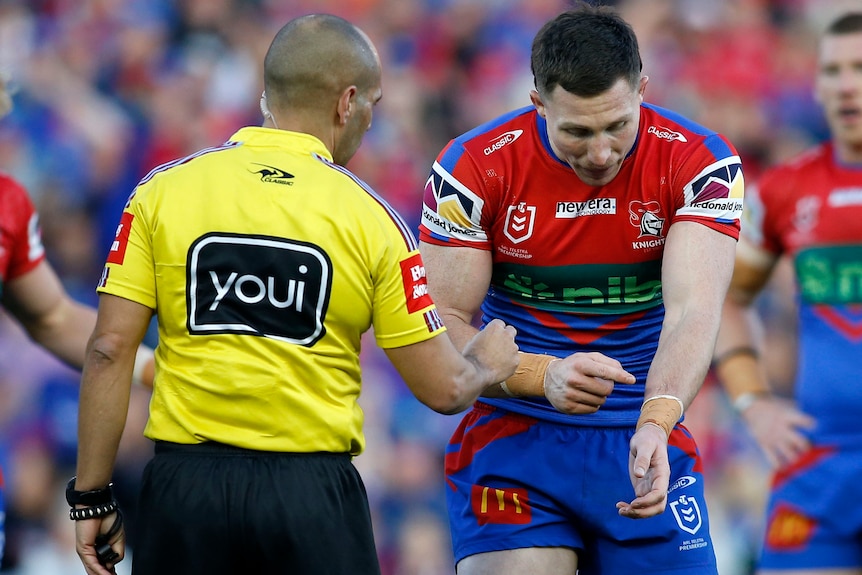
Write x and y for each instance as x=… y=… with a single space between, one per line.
x=713 y=142
x=718 y=147
x=181 y=161
x=406 y=234
x=453 y=154
x=689 y=125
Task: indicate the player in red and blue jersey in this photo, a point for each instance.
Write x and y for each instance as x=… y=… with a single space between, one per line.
x=31 y=291
x=809 y=210
x=604 y=229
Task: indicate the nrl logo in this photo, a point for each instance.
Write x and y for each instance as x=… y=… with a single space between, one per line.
x=687 y=513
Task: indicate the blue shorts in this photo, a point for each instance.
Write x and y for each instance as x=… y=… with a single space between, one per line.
x=513 y=481
x=813 y=518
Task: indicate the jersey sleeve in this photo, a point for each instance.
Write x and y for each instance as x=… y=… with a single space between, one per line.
x=713 y=187
x=21 y=234
x=129 y=270
x=402 y=310
x=756 y=228
x=453 y=201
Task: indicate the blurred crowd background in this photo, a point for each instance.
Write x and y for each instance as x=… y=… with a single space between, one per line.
x=105 y=90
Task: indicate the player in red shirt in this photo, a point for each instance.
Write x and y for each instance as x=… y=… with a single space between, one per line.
x=809 y=210
x=31 y=290
x=604 y=229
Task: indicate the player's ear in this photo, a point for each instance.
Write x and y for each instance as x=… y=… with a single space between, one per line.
x=536 y=99
x=345 y=104
x=642 y=87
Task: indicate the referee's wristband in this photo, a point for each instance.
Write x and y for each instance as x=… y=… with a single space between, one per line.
x=93 y=512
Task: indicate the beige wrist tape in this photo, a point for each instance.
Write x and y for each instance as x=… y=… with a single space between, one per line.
x=661 y=410
x=741 y=374
x=529 y=378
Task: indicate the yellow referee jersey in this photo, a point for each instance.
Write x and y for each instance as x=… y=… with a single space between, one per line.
x=265 y=263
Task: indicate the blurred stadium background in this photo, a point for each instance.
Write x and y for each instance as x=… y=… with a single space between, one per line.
x=107 y=89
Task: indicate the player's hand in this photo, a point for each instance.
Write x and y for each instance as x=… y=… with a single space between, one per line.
x=581 y=383
x=494 y=351
x=85 y=544
x=649 y=471
x=776 y=424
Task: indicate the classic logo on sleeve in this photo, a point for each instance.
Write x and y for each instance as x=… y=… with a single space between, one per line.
x=121 y=239
x=415 y=284
x=258 y=285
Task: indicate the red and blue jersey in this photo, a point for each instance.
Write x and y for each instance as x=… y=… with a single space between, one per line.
x=577 y=268
x=811 y=210
x=21 y=247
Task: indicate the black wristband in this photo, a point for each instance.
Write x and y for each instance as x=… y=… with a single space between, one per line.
x=93 y=512
x=93 y=497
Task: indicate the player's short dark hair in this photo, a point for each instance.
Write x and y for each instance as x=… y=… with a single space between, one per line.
x=585 y=50
x=849 y=23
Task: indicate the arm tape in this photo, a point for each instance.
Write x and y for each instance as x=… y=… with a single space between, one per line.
x=741 y=373
x=529 y=378
x=661 y=410
x=736 y=351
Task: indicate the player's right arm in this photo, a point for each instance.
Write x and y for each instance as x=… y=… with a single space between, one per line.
x=774 y=422
x=458 y=280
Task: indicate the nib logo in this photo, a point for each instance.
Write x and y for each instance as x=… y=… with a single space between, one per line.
x=274 y=175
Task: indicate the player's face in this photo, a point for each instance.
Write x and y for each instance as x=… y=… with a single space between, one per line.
x=839 y=87
x=593 y=135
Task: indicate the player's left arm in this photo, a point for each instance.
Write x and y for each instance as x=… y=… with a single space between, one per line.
x=49 y=315
x=696 y=271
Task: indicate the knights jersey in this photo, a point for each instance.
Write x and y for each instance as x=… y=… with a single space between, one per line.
x=577 y=268
x=21 y=247
x=811 y=210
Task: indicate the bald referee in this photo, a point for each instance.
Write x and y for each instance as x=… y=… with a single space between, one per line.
x=264 y=260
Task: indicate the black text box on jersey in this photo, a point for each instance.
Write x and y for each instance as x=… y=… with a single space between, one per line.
x=258 y=285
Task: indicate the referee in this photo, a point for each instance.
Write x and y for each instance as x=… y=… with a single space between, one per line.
x=264 y=260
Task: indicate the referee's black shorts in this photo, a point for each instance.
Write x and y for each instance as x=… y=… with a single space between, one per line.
x=212 y=509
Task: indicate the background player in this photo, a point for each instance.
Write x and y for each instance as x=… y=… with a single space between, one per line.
x=31 y=290
x=810 y=210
